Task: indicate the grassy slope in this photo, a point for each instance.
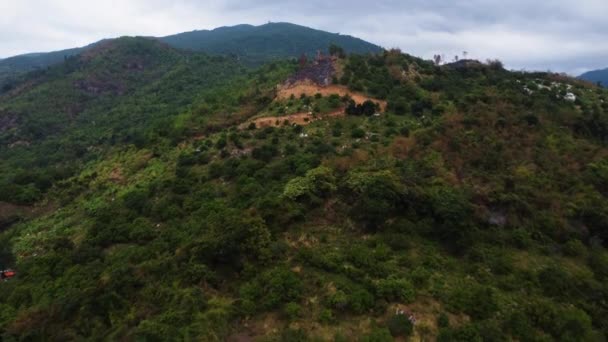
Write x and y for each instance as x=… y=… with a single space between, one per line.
x=214 y=230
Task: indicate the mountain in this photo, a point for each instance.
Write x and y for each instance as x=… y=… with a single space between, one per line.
x=12 y=67
x=154 y=193
x=111 y=93
x=596 y=76
x=257 y=44
x=253 y=44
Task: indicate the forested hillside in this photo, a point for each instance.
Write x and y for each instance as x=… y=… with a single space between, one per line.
x=472 y=208
x=258 y=44
x=252 y=45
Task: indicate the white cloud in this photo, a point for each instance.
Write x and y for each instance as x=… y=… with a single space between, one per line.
x=558 y=35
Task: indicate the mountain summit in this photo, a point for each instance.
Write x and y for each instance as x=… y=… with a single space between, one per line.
x=272 y=40
x=253 y=44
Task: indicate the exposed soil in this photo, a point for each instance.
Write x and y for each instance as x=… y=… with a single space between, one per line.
x=310 y=89
x=116 y=175
x=301 y=119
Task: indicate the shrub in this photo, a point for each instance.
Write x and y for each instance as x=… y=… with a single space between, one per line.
x=272 y=288
x=357 y=133
x=338 y=300
x=598 y=261
x=318 y=182
x=360 y=301
x=574 y=248
x=292 y=310
x=326 y=316
x=400 y=325
x=467 y=333
x=378 y=335
x=479 y=302
x=396 y=289
x=294 y=335
x=443 y=321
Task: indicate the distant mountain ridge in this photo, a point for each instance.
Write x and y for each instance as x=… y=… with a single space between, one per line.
x=254 y=45
x=596 y=76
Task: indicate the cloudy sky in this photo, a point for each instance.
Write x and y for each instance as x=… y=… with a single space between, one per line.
x=559 y=35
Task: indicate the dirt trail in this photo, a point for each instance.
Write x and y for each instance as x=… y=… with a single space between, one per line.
x=310 y=89
x=302 y=119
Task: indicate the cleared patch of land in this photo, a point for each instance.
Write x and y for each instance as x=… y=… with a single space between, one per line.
x=311 y=89
x=298 y=119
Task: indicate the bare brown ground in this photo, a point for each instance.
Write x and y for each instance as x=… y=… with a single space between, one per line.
x=301 y=119
x=310 y=89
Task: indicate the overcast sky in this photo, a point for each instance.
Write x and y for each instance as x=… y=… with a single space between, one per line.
x=566 y=36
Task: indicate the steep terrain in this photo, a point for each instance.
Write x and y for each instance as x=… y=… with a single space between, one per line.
x=128 y=90
x=471 y=207
x=596 y=76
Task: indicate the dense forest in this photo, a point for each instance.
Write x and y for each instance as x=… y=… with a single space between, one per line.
x=143 y=206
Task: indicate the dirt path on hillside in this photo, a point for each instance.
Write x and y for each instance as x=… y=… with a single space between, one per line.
x=310 y=89
x=301 y=119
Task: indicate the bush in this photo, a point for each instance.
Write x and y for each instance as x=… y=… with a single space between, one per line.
x=279 y=285
x=376 y=196
x=479 y=302
x=396 y=289
x=443 y=321
x=294 y=335
x=378 y=335
x=598 y=261
x=318 y=182
x=361 y=301
x=326 y=316
x=400 y=326
x=338 y=300
x=357 y=133
x=574 y=248
x=292 y=310
x=467 y=333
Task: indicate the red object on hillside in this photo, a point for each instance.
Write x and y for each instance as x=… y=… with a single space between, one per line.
x=7 y=274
